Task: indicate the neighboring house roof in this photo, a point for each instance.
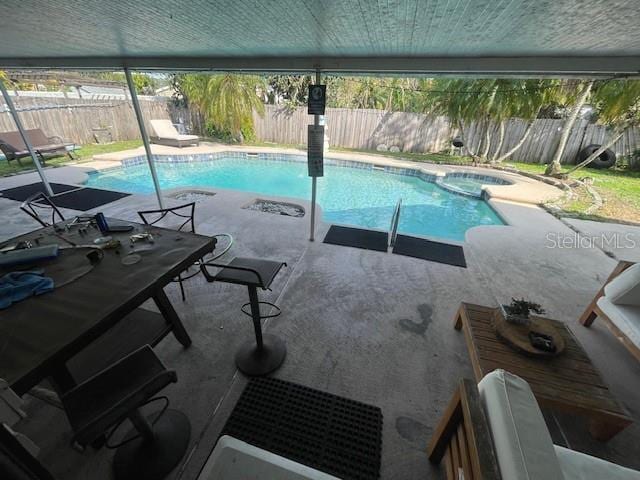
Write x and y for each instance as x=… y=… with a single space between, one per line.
x=412 y=36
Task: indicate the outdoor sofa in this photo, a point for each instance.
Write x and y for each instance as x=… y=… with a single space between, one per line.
x=165 y=133
x=617 y=304
x=14 y=148
x=496 y=430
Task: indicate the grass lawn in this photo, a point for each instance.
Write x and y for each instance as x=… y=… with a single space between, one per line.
x=85 y=153
x=619 y=189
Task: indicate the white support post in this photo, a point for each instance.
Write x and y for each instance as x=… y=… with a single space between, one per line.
x=25 y=139
x=316 y=122
x=143 y=133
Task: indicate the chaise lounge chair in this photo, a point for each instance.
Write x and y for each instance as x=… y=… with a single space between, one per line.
x=14 y=148
x=166 y=134
x=496 y=431
x=618 y=305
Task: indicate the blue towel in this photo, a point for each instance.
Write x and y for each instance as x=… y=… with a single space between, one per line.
x=16 y=286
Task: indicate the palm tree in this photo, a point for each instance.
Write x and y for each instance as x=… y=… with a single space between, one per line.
x=226 y=100
x=491 y=101
x=525 y=99
x=618 y=105
x=577 y=102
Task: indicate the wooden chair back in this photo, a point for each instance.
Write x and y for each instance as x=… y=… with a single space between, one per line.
x=462 y=439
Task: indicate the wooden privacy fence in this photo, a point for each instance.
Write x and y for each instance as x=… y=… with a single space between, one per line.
x=414 y=132
x=74 y=119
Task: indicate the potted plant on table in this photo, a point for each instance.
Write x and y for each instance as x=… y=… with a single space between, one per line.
x=518 y=311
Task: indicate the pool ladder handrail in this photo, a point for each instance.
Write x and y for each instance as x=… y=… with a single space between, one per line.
x=395 y=220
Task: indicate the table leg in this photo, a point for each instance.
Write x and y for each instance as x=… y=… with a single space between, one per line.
x=171 y=316
x=604 y=429
x=458 y=320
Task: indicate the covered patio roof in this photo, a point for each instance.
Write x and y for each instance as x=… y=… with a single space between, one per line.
x=518 y=37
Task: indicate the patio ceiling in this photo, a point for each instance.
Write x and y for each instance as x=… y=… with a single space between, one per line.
x=401 y=36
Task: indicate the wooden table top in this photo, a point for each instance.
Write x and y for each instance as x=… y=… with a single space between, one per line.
x=568 y=381
x=52 y=327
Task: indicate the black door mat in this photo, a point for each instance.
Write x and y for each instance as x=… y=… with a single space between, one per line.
x=428 y=250
x=87 y=198
x=357 y=237
x=23 y=192
x=333 y=434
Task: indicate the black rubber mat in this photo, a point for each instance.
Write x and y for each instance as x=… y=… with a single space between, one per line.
x=428 y=250
x=23 y=192
x=357 y=237
x=333 y=434
x=87 y=198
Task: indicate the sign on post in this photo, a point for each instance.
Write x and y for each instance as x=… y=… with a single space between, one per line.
x=317 y=99
x=315 y=150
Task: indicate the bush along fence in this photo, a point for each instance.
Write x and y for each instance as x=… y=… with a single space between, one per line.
x=413 y=132
x=81 y=120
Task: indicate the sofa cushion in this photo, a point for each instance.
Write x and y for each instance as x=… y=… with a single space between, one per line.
x=520 y=436
x=625 y=317
x=578 y=466
x=625 y=288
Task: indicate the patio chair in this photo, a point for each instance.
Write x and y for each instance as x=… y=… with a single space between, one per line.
x=42 y=209
x=14 y=148
x=617 y=304
x=495 y=430
x=157 y=442
x=166 y=134
x=268 y=352
x=167 y=217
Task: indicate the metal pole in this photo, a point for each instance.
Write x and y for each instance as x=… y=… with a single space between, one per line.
x=316 y=122
x=25 y=139
x=143 y=133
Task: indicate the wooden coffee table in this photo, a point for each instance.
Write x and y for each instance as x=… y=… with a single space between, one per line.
x=568 y=382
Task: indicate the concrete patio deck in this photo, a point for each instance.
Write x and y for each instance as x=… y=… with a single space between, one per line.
x=370 y=326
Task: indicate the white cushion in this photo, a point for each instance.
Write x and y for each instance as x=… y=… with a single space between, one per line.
x=625 y=288
x=578 y=466
x=523 y=445
x=187 y=137
x=164 y=129
x=625 y=317
x=233 y=459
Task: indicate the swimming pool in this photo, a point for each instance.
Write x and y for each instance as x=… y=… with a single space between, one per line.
x=350 y=193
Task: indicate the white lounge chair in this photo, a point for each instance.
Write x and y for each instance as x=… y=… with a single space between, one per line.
x=166 y=134
x=495 y=430
x=618 y=305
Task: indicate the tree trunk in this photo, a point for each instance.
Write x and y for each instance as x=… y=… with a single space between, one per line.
x=487 y=139
x=500 y=141
x=614 y=138
x=466 y=144
x=554 y=166
x=525 y=135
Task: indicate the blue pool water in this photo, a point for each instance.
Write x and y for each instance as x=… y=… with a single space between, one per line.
x=351 y=196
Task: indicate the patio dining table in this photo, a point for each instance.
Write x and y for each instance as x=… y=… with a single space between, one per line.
x=93 y=318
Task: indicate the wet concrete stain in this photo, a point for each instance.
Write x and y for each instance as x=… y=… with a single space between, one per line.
x=413 y=431
x=425 y=311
